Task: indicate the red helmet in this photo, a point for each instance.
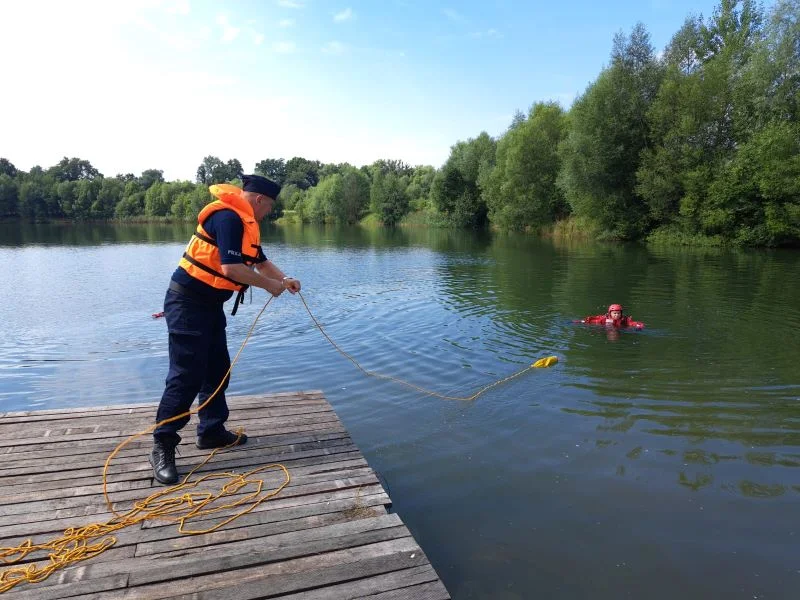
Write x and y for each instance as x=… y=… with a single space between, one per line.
x=615 y=307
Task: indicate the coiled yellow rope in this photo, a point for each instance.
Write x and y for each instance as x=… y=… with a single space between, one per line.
x=176 y=503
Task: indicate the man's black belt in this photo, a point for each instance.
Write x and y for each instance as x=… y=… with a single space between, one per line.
x=184 y=291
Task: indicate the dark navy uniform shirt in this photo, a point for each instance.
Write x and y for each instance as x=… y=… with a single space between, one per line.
x=227 y=229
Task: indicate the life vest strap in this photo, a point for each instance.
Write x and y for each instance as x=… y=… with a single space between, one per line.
x=209 y=270
x=239 y=300
x=205 y=238
x=259 y=257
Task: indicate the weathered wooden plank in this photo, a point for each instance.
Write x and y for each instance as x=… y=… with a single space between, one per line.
x=107 y=445
x=414 y=580
x=100 y=586
x=351 y=563
x=122 y=463
x=29 y=492
x=149 y=409
x=119 y=434
x=142 y=445
x=416 y=583
x=289 y=529
x=277 y=396
x=242 y=456
x=273 y=510
x=385 y=532
x=113 y=554
x=326 y=535
x=237 y=406
x=301 y=476
x=33 y=512
x=433 y=590
x=277 y=579
x=134 y=423
x=135 y=494
x=123 y=500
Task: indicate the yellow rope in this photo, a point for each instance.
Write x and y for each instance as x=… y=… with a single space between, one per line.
x=83 y=543
x=78 y=544
x=543 y=362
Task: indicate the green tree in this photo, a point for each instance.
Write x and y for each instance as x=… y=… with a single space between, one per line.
x=386 y=166
x=355 y=196
x=212 y=170
x=7 y=168
x=521 y=191
x=333 y=169
x=388 y=197
x=86 y=194
x=233 y=170
x=73 y=169
x=132 y=205
x=109 y=195
x=302 y=172
x=149 y=177
x=67 y=192
x=290 y=195
x=456 y=189
x=419 y=187
x=9 y=194
x=272 y=168
x=324 y=199
x=699 y=121
x=608 y=132
x=37 y=197
x=157 y=200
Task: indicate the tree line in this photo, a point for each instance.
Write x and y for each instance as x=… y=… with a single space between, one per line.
x=699 y=143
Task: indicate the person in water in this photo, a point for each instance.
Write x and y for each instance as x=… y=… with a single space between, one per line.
x=613 y=318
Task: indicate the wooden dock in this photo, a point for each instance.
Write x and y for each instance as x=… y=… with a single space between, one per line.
x=327 y=535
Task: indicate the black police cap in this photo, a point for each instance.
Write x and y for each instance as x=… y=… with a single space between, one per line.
x=260 y=185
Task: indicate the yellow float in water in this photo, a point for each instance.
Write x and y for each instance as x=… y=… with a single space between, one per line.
x=548 y=361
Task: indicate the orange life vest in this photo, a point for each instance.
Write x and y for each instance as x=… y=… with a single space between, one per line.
x=201 y=259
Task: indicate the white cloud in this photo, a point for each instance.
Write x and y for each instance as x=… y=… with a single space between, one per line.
x=333 y=47
x=489 y=33
x=229 y=32
x=258 y=38
x=290 y=4
x=184 y=41
x=179 y=7
x=344 y=15
x=284 y=23
x=453 y=15
x=284 y=47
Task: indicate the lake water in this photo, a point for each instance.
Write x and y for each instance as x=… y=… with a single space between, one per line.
x=658 y=464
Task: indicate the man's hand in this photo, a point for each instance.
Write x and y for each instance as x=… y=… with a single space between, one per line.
x=243 y=274
x=274 y=287
x=291 y=284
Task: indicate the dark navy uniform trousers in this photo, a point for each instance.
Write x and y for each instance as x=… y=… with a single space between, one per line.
x=198 y=360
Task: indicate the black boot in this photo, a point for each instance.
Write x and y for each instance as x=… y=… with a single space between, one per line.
x=162 y=458
x=226 y=438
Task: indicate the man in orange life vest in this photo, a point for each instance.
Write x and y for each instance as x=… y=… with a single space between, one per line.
x=223 y=256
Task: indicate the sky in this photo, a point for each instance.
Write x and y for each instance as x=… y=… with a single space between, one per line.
x=160 y=84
